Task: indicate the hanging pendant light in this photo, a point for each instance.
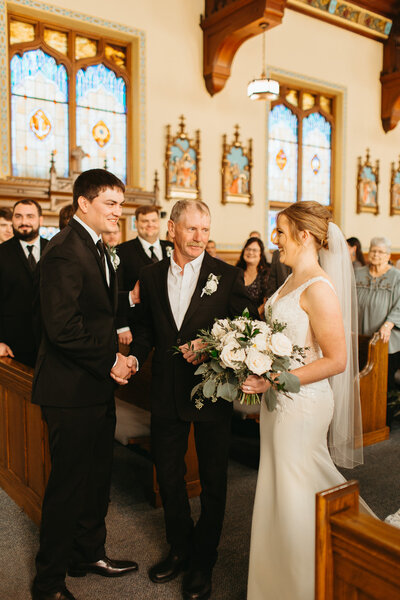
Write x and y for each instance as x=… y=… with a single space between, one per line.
x=263 y=88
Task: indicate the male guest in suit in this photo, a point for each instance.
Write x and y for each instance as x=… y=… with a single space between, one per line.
x=73 y=384
x=144 y=250
x=174 y=308
x=277 y=275
x=18 y=259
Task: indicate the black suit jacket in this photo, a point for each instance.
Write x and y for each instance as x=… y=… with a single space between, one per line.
x=133 y=258
x=173 y=377
x=79 y=343
x=16 y=299
x=277 y=275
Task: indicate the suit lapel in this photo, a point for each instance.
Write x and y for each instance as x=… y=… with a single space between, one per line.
x=162 y=284
x=22 y=256
x=91 y=246
x=205 y=270
x=146 y=259
x=112 y=288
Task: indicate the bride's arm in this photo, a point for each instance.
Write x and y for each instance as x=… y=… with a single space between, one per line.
x=322 y=306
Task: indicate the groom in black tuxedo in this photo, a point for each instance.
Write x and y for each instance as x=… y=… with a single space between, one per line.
x=74 y=384
x=177 y=300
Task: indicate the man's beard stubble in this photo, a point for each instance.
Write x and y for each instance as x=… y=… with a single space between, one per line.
x=27 y=236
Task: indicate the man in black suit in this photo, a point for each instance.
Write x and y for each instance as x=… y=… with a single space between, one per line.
x=277 y=275
x=144 y=250
x=73 y=383
x=175 y=306
x=18 y=259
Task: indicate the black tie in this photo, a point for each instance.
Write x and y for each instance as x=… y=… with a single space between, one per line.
x=153 y=255
x=100 y=248
x=31 y=258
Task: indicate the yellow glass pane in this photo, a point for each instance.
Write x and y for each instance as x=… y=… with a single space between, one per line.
x=57 y=40
x=308 y=100
x=21 y=32
x=116 y=54
x=293 y=97
x=326 y=104
x=85 y=48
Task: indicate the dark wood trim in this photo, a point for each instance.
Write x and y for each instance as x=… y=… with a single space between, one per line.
x=390 y=79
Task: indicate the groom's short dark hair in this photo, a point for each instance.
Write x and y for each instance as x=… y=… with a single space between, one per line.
x=91 y=183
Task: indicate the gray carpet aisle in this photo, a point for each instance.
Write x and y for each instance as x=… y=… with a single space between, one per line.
x=136 y=530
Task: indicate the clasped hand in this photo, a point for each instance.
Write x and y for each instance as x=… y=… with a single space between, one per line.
x=255 y=385
x=190 y=351
x=124 y=368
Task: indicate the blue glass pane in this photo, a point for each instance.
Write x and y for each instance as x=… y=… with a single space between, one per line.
x=282 y=154
x=316 y=168
x=39 y=115
x=101 y=119
x=272 y=214
x=32 y=70
x=99 y=87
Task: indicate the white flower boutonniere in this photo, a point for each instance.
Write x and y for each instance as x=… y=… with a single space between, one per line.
x=115 y=259
x=169 y=250
x=211 y=285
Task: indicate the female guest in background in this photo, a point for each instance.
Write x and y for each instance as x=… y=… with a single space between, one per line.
x=256 y=270
x=378 y=292
x=356 y=255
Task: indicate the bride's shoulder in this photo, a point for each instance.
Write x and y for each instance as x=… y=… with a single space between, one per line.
x=318 y=289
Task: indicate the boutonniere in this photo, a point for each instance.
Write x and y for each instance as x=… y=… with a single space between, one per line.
x=169 y=250
x=211 y=285
x=115 y=259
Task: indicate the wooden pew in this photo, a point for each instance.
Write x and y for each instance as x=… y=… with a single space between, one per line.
x=357 y=556
x=373 y=363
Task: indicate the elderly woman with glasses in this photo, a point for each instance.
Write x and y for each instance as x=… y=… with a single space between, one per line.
x=378 y=292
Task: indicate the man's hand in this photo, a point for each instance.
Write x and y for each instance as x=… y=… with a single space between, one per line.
x=134 y=294
x=125 y=337
x=6 y=350
x=123 y=369
x=189 y=351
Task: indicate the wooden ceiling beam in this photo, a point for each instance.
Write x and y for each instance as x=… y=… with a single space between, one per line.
x=390 y=79
x=226 y=25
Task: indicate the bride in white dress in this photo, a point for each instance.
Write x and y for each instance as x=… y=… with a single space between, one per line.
x=294 y=459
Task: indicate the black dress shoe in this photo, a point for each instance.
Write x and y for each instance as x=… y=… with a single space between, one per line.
x=63 y=594
x=197 y=584
x=106 y=567
x=168 y=569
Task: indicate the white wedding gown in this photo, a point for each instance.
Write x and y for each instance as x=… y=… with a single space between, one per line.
x=294 y=465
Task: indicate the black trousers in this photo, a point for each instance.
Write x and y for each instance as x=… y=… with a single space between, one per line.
x=393 y=365
x=169 y=445
x=77 y=494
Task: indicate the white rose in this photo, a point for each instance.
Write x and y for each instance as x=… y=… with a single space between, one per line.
x=262 y=327
x=240 y=323
x=211 y=286
x=230 y=353
x=259 y=341
x=258 y=362
x=231 y=338
x=281 y=345
x=219 y=328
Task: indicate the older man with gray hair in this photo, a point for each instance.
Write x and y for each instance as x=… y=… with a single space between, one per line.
x=176 y=305
x=378 y=292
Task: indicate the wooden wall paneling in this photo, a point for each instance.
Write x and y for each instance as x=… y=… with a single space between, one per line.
x=36 y=478
x=3 y=429
x=16 y=424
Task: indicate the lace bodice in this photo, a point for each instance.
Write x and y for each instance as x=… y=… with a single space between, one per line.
x=288 y=310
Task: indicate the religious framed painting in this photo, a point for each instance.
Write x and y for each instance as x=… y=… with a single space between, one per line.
x=395 y=190
x=367 y=185
x=182 y=160
x=236 y=171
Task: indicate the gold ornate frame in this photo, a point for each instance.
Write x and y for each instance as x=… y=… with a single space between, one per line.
x=236 y=177
x=182 y=160
x=367 y=185
x=395 y=190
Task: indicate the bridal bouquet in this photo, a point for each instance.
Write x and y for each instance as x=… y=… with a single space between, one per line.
x=241 y=347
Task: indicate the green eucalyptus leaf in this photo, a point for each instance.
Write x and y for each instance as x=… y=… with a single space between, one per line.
x=290 y=382
x=196 y=389
x=271 y=399
x=216 y=367
x=227 y=391
x=209 y=388
x=201 y=369
x=281 y=363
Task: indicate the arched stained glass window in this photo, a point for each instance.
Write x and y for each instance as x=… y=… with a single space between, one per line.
x=101 y=118
x=300 y=133
x=39 y=109
x=282 y=154
x=316 y=169
x=68 y=90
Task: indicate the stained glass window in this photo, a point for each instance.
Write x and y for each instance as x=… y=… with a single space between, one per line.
x=39 y=108
x=101 y=118
x=272 y=214
x=42 y=106
x=316 y=170
x=282 y=155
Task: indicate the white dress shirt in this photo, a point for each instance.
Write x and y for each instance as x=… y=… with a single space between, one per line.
x=181 y=286
x=95 y=239
x=156 y=246
x=35 y=249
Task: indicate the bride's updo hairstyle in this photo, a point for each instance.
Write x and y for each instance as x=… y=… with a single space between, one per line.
x=308 y=216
